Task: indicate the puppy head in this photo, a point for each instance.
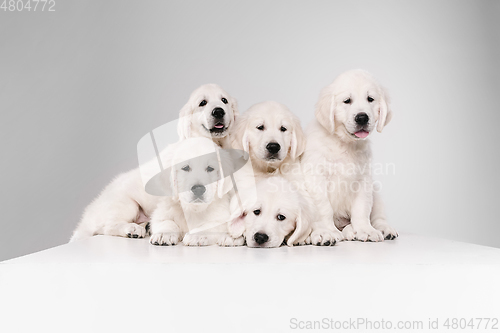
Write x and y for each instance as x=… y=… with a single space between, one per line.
x=353 y=105
x=269 y=132
x=196 y=172
x=276 y=215
x=210 y=112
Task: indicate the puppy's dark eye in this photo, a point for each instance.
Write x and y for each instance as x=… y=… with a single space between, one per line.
x=370 y=99
x=210 y=169
x=260 y=128
x=281 y=217
x=186 y=168
x=223 y=100
x=347 y=101
x=283 y=128
x=203 y=103
x=256 y=212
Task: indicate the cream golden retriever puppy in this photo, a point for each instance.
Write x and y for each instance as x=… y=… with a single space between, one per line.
x=188 y=195
x=196 y=208
x=277 y=215
x=337 y=160
x=123 y=208
x=273 y=138
x=210 y=112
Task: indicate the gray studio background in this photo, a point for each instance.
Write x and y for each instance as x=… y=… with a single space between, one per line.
x=80 y=86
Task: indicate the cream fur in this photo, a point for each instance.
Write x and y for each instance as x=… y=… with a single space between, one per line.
x=123 y=208
x=275 y=196
x=196 y=120
x=261 y=124
x=333 y=148
x=184 y=216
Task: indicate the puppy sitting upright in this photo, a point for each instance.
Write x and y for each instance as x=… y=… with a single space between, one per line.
x=337 y=160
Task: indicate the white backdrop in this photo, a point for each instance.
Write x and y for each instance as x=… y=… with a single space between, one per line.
x=81 y=85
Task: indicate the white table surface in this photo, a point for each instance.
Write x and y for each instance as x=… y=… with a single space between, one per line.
x=127 y=285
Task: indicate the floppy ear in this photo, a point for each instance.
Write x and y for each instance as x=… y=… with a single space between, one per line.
x=240 y=137
x=325 y=109
x=302 y=227
x=245 y=143
x=234 y=105
x=236 y=225
x=173 y=182
x=298 y=141
x=184 y=124
x=384 y=112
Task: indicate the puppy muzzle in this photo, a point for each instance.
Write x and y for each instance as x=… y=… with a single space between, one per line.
x=273 y=151
x=217 y=123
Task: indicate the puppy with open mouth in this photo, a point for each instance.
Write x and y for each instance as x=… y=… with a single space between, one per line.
x=337 y=160
x=124 y=208
x=277 y=215
x=210 y=112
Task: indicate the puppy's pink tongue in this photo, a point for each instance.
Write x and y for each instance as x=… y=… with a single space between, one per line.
x=219 y=126
x=362 y=134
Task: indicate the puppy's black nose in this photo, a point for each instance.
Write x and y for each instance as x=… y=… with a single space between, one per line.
x=273 y=147
x=361 y=118
x=260 y=238
x=218 y=113
x=198 y=190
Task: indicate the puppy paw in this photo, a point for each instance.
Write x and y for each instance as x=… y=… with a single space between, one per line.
x=368 y=233
x=348 y=233
x=227 y=240
x=197 y=240
x=133 y=230
x=325 y=237
x=389 y=232
x=304 y=242
x=170 y=238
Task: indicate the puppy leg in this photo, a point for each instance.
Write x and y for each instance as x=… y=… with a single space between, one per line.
x=119 y=219
x=378 y=219
x=217 y=235
x=348 y=233
x=163 y=226
x=125 y=229
x=165 y=233
x=224 y=239
x=110 y=214
x=230 y=241
x=324 y=232
x=199 y=239
x=125 y=220
x=360 y=217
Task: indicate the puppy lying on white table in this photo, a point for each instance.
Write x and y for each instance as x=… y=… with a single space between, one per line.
x=277 y=214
